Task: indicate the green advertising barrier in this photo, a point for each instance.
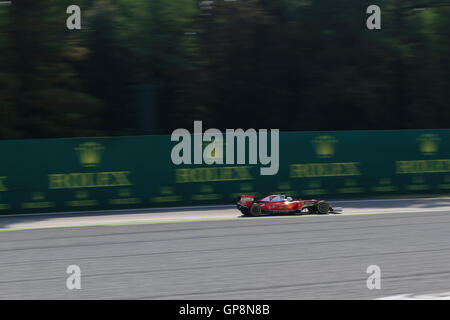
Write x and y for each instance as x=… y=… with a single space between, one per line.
x=52 y=175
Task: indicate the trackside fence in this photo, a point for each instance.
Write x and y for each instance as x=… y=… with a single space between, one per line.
x=48 y=175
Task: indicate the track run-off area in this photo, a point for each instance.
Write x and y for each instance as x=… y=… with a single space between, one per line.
x=215 y=253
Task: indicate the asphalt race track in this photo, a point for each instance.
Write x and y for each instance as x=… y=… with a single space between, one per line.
x=224 y=256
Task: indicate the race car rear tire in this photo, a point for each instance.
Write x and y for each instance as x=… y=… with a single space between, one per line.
x=323 y=207
x=255 y=210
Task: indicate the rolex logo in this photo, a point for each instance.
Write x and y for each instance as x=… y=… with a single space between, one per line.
x=325 y=146
x=89 y=153
x=428 y=143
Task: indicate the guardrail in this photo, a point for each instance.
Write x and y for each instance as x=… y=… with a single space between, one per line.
x=48 y=175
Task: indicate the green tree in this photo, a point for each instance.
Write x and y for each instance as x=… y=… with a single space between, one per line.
x=47 y=95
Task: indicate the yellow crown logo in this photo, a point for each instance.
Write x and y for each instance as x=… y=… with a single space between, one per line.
x=428 y=143
x=325 y=146
x=89 y=153
x=216 y=153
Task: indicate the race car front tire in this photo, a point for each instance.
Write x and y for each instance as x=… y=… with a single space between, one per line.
x=323 y=207
x=255 y=210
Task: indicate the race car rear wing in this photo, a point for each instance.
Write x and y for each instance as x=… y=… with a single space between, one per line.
x=246 y=200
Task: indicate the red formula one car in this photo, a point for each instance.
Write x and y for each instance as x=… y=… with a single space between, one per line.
x=282 y=204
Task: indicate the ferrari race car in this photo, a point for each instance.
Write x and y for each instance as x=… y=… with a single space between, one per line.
x=281 y=204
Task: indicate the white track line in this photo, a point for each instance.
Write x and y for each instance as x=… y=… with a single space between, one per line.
x=410 y=296
x=194 y=208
